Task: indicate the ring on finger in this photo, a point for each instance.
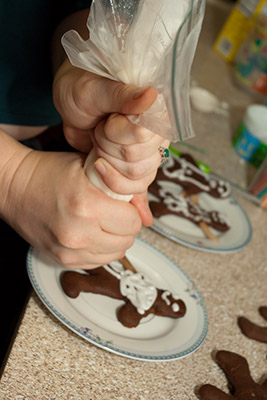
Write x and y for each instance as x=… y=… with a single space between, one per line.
x=164 y=153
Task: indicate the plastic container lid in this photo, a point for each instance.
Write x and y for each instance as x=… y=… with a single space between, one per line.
x=255 y=120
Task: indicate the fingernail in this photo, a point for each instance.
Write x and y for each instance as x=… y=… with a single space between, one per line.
x=100 y=167
x=139 y=93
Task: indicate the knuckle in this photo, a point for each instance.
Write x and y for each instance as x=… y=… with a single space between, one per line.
x=62 y=257
x=111 y=126
x=66 y=239
x=135 y=171
x=82 y=93
x=78 y=205
x=141 y=135
x=129 y=153
x=119 y=91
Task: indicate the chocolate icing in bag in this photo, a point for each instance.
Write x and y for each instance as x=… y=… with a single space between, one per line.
x=145 y=43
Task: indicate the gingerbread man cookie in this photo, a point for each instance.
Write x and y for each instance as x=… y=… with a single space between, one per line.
x=184 y=171
x=119 y=280
x=252 y=330
x=243 y=387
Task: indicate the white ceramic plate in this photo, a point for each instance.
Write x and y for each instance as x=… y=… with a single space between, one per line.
x=187 y=233
x=94 y=316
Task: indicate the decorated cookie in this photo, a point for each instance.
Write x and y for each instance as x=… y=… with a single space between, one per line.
x=176 y=188
x=243 y=387
x=184 y=171
x=167 y=201
x=171 y=203
x=253 y=331
x=119 y=280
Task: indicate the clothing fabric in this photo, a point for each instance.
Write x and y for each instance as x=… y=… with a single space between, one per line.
x=26 y=28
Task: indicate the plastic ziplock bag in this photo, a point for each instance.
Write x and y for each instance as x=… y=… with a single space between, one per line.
x=145 y=43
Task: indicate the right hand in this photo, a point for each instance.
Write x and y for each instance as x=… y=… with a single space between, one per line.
x=54 y=207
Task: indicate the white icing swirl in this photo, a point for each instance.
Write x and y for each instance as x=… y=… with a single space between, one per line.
x=164 y=297
x=138 y=289
x=186 y=169
x=177 y=203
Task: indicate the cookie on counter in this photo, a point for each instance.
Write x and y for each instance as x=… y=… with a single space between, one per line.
x=243 y=387
x=252 y=330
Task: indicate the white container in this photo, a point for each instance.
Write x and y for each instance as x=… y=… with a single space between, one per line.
x=250 y=139
x=255 y=120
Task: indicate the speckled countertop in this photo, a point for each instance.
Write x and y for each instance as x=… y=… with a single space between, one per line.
x=48 y=361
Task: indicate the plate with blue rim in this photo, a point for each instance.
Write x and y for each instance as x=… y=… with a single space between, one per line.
x=185 y=232
x=93 y=316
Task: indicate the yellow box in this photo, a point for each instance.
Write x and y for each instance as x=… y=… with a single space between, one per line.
x=237 y=27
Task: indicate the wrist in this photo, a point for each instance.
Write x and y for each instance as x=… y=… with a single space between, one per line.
x=12 y=154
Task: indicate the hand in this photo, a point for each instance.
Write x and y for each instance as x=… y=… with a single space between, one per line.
x=83 y=99
x=128 y=154
x=52 y=205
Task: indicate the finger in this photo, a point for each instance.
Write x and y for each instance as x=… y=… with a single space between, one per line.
x=124 y=219
x=209 y=392
x=127 y=152
x=135 y=169
x=86 y=237
x=79 y=139
x=119 y=129
x=112 y=96
x=75 y=260
x=140 y=201
x=121 y=184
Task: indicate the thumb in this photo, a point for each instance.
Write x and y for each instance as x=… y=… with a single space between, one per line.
x=117 y=97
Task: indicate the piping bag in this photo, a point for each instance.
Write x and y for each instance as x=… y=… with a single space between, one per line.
x=145 y=43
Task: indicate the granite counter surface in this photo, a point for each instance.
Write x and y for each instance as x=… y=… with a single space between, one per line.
x=48 y=361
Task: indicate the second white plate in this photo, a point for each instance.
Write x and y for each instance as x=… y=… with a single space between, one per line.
x=187 y=233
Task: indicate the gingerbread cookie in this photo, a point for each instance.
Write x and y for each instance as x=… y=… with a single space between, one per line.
x=243 y=387
x=252 y=330
x=184 y=171
x=119 y=280
x=169 y=202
